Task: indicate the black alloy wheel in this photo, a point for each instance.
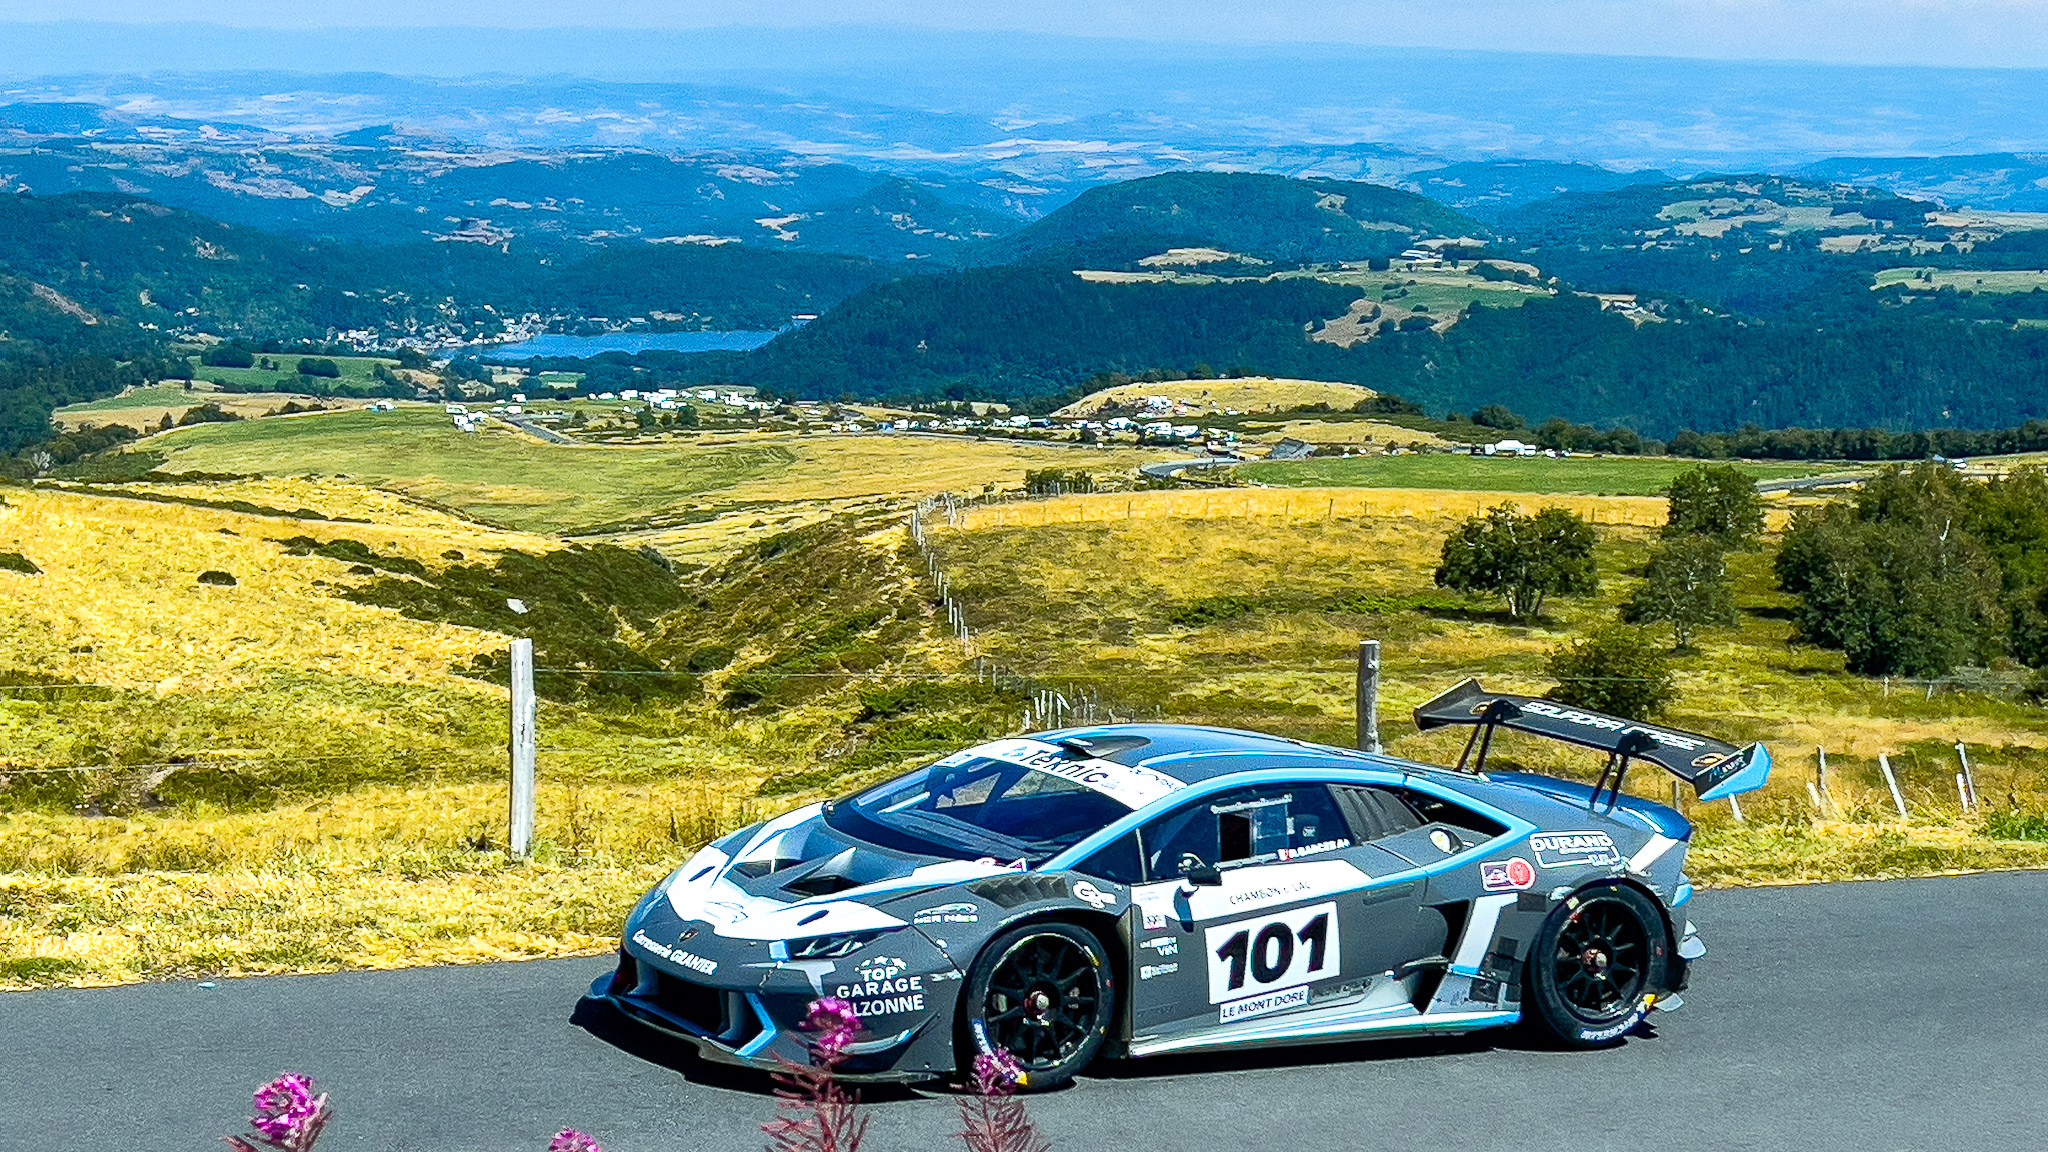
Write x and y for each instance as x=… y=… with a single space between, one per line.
x=1043 y=993
x=1600 y=953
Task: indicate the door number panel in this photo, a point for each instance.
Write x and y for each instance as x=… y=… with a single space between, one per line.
x=1279 y=950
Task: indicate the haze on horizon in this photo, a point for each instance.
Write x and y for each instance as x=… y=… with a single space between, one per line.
x=1946 y=33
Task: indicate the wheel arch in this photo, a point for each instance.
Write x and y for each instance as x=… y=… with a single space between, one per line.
x=1106 y=928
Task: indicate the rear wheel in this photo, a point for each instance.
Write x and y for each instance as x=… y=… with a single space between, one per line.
x=1045 y=994
x=1598 y=958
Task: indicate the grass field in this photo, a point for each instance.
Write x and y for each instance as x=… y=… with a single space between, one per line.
x=500 y=475
x=1592 y=475
x=507 y=477
x=285 y=377
x=1247 y=394
x=1934 y=280
x=143 y=409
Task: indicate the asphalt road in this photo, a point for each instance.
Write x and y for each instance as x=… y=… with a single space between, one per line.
x=1886 y=1016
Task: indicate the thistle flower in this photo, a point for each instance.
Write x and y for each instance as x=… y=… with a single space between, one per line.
x=993 y=1118
x=570 y=1140
x=997 y=1073
x=289 y=1116
x=836 y=1024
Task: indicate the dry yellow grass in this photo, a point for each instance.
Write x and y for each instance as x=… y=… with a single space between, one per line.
x=1299 y=506
x=1057 y=594
x=1249 y=394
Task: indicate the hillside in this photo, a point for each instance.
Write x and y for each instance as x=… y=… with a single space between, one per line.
x=1270 y=218
x=185 y=274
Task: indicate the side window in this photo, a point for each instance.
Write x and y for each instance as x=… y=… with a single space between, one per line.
x=1375 y=813
x=1118 y=861
x=1245 y=826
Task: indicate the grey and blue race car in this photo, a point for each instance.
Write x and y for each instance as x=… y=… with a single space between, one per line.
x=1138 y=889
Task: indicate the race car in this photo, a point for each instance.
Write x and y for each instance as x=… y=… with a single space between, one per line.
x=1137 y=889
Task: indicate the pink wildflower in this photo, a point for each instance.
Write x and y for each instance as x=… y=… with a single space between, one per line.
x=996 y=1073
x=289 y=1116
x=570 y=1140
x=836 y=1024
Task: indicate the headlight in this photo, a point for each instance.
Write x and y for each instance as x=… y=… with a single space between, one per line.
x=828 y=947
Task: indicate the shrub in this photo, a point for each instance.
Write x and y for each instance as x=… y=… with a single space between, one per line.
x=16 y=562
x=1616 y=670
x=218 y=578
x=323 y=368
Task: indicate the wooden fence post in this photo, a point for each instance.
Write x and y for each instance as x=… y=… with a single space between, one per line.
x=524 y=750
x=1892 y=781
x=1369 y=695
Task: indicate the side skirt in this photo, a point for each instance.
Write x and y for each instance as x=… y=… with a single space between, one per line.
x=1319 y=1026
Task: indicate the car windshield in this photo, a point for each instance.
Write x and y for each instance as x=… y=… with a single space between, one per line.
x=979 y=807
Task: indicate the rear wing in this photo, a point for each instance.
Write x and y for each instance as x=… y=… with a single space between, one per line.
x=1714 y=769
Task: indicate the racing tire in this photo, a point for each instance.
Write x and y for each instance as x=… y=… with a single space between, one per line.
x=1598 y=960
x=1043 y=992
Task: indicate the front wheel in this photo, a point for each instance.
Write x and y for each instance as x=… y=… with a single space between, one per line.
x=1598 y=958
x=1045 y=994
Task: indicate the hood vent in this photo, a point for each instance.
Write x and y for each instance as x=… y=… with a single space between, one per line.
x=1022 y=888
x=827 y=878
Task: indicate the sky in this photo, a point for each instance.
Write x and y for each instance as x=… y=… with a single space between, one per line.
x=1965 y=33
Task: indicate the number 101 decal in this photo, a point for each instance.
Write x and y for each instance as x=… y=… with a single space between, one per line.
x=1250 y=957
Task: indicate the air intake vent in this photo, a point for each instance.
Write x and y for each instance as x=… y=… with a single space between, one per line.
x=820 y=883
x=1022 y=888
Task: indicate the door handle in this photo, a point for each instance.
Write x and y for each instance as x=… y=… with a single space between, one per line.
x=1390 y=892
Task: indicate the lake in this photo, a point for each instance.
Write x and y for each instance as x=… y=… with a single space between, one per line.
x=551 y=344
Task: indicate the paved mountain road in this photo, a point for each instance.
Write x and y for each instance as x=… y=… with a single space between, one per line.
x=1886 y=1016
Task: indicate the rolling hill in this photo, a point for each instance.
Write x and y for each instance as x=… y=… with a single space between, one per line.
x=1271 y=218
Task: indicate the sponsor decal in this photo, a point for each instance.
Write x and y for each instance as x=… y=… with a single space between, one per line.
x=1096 y=897
x=1164 y=945
x=647 y=942
x=1270 y=893
x=1155 y=921
x=1344 y=991
x=980 y=1031
x=1254 y=957
x=1132 y=787
x=1574 y=849
x=1262 y=1005
x=1510 y=875
x=1312 y=849
x=1148 y=971
x=694 y=962
x=1612 y=1031
x=1608 y=723
x=881 y=988
x=947 y=914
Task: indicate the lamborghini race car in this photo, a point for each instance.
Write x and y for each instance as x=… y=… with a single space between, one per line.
x=1136 y=889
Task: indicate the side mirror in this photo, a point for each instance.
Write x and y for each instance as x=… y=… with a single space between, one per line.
x=1197 y=873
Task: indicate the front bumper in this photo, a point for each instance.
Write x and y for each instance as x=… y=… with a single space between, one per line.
x=759 y=1028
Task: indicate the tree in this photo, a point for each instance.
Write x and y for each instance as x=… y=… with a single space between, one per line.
x=1716 y=501
x=1685 y=585
x=1521 y=558
x=1616 y=670
x=1897 y=597
x=1498 y=416
x=324 y=368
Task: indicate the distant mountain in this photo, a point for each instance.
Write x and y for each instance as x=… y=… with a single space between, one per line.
x=1760 y=208
x=396 y=185
x=1270 y=218
x=2004 y=181
x=1485 y=189
x=896 y=219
